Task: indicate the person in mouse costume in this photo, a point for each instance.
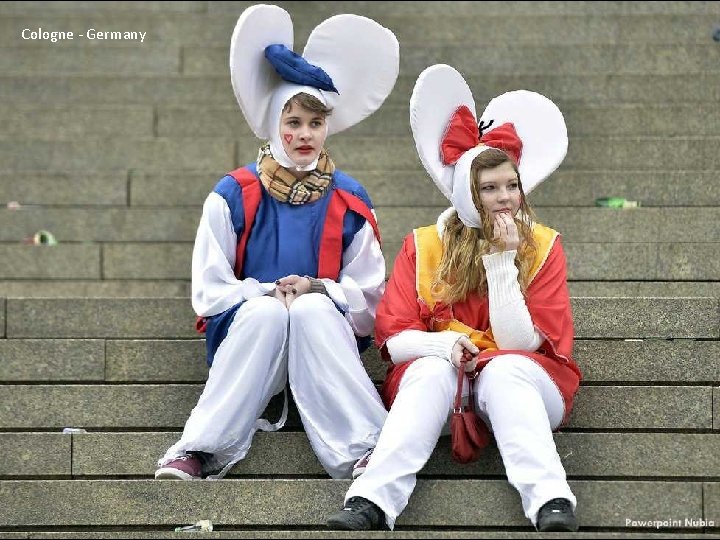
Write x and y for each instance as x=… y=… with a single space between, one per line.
x=483 y=290
x=287 y=269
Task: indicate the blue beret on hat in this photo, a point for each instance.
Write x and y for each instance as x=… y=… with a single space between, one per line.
x=295 y=69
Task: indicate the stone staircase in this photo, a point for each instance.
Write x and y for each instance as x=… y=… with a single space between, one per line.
x=112 y=146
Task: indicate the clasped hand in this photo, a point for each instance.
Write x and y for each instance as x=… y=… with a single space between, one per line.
x=464 y=349
x=289 y=288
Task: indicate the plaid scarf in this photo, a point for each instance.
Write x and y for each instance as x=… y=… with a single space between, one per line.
x=283 y=186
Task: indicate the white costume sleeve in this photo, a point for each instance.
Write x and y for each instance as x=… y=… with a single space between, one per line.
x=411 y=344
x=361 y=282
x=214 y=285
x=510 y=319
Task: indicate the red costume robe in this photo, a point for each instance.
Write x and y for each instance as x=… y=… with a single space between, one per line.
x=408 y=305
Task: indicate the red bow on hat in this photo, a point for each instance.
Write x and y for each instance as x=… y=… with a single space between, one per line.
x=462 y=134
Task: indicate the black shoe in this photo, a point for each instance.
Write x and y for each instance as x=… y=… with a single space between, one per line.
x=557 y=515
x=358 y=514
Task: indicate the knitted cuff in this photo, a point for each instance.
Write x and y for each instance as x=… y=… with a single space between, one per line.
x=317 y=286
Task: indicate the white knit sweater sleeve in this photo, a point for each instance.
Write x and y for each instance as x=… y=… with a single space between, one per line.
x=411 y=344
x=510 y=319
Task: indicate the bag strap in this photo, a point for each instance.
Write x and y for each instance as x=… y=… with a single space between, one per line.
x=462 y=375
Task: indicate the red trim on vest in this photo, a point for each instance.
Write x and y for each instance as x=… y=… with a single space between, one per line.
x=330 y=255
x=251 y=201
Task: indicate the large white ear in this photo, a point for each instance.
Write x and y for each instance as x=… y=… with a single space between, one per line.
x=438 y=92
x=541 y=127
x=254 y=80
x=362 y=58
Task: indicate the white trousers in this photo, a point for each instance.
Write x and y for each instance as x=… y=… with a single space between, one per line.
x=312 y=347
x=515 y=397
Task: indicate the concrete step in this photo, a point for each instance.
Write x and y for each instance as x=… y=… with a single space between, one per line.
x=525 y=59
x=626 y=120
x=577 y=225
x=350 y=153
x=323 y=9
x=152 y=6
x=288 y=454
x=324 y=532
x=115 y=361
x=190 y=188
x=666 y=318
x=216 y=29
x=61 y=123
x=371 y=9
x=51 y=288
x=601 y=261
x=133 y=58
x=58 y=188
x=128 y=59
x=130 y=407
x=308 y=503
x=106 y=89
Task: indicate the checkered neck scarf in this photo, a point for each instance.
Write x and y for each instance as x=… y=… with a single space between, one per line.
x=283 y=186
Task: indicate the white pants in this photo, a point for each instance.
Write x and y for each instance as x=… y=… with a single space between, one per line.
x=311 y=346
x=515 y=397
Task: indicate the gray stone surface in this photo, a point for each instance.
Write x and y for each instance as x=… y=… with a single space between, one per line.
x=415 y=188
x=3 y=318
x=584 y=455
x=491 y=8
x=95 y=289
x=568 y=90
x=64 y=188
x=205 y=29
x=656 y=188
x=167 y=406
x=103 y=225
x=309 y=502
x=716 y=408
x=129 y=59
x=648 y=361
x=63 y=7
x=114 y=154
x=689 y=261
x=628 y=120
x=609 y=261
x=575 y=59
x=711 y=504
x=109 y=89
x=95 y=407
x=36 y=360
x=147 y=261
x=35 y=454
x=709 y=289
x=643 y=407
x=173 y=318
x=64 y=261
x=172 y=188
x=65 y=123
x=614 y=361
x=150 y=360
x=90 y=317
x=646 y=317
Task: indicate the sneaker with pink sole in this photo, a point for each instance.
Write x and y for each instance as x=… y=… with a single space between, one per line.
x=187 y=467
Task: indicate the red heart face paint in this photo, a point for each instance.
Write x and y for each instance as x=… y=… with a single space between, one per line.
x=288 y=138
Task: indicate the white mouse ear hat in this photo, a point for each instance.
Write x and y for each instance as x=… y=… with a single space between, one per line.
x=350 y=63
x=526 y=125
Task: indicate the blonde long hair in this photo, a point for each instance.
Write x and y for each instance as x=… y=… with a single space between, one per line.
x=461 y=271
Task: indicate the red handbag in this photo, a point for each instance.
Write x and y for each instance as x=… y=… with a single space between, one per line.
x=469 y=435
